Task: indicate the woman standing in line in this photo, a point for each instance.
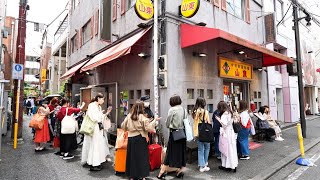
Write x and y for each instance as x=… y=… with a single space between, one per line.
x=200 y=115
x=42 y=136
x=229 y=157
x=68 y=142
x=176 y=158
x=138 y=126
x=243 y=135
x=95 y=148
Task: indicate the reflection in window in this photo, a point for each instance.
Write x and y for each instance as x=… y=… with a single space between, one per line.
x=236 y=8
x=210 y=108
x=190 y=93
x=209 y=94
x=200 y=92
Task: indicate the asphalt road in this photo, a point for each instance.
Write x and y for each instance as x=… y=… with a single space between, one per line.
x=25 y=164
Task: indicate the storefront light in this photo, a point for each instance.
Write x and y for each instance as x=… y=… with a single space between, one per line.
x=241 y=52
x=143 y=55
x=199 y=54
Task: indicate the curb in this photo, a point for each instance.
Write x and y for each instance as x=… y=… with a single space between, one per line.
x=295 y=123
x=284 y=162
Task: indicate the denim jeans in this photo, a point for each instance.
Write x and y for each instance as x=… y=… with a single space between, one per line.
x=243 y=142
x=216 y=144
x=203 y=153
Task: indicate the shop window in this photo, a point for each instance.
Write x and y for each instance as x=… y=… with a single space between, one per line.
x=209 y=94
x=86 y=32
x=147 y=92
x=259 y=94
x=236 y=8
x=210 y=108
x=200 y=93
x=131 y=94
x=138 y=94
x=190 y=93
x=255 y=94
x=190 y=108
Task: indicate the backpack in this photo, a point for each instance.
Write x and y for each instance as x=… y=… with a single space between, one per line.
x=28 y=103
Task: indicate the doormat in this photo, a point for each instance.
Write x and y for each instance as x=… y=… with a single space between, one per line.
x=254 y=145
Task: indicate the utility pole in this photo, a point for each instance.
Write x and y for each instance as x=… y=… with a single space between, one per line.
x=155 y=59
x=299 y=69
x=20 y=59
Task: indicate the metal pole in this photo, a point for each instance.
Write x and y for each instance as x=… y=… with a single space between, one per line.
x=15 y=135
x=299 y=69
x=1 y=110
x=155 y=59
x=59 y=70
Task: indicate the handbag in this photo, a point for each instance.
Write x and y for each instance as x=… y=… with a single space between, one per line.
x=236 y=124
x=87 y=126
x=178 y=134
x=56 y=142
x=205 y=131
x=223 y=144
x=122 y=139
x=252 y=130
x=187 y=127
x=37 y=121
x=262 y=124
x=68 y=124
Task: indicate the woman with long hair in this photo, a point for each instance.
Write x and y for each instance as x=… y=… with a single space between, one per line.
x=95 y=148
x=175 y=159
x=270 y=132
x=68 y=142
x=229 y=157
x=200 y=115
x=243 y=135
x=42 y=136
x=138 y=126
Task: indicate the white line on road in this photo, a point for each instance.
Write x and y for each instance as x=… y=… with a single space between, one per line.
x=296 y=174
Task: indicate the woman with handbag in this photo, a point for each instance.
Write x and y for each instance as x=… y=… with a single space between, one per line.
x=200 y=116
x=272 y=123
x=176 y=158
x=42 y=135
x=262 y=123
x=68 y=142
x=243 y=135
x=227 y=140
x=95 y=147
x=138 y=125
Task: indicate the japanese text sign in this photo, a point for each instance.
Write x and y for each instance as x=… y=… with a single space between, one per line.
x=144 y=9
x=189 y=8
x=234 y=69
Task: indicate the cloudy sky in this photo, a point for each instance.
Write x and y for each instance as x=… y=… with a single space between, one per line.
x=42 y=11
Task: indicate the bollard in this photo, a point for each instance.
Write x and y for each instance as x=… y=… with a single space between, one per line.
x=302 y=161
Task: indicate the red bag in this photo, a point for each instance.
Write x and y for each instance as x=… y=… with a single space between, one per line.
x=56 y=142
x=155 y=151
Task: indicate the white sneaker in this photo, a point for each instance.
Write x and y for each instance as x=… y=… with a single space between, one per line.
x=279 y=139
x=202 y=169
x=207 y=168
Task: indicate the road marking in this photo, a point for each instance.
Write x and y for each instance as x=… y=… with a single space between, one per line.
x=296 y=174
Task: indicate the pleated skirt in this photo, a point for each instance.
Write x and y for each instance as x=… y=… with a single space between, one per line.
x=176 y=153
x=68 y=142
x=137 y=162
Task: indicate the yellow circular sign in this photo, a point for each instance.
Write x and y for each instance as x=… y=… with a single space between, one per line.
x=189 y=8
x=144 y=9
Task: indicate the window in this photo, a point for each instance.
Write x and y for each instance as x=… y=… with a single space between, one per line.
x=86 y=32
x=138 y=94
x=236 y=8
x=74 y=43
x=210 y=108
x=190 y=108
x=209 y=94
x=279 y=10
x=190 y=93
x=131 y=94
x=147 y=92
x=200 y=92
x=75 y=3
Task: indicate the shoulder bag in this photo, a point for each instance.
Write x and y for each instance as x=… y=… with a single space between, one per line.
x=205 y=131
x=236 y=122
x=187 y=127
x=178 y=134
x=87 y=126
x=68 y=124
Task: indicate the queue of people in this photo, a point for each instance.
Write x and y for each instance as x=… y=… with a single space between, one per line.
x=229 y=143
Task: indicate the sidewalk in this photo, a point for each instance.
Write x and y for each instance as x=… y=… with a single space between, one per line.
x=25 y=164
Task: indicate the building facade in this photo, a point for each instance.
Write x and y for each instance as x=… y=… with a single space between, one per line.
x=218 y=54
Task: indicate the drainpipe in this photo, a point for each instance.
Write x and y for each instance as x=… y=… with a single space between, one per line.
x=59 y=70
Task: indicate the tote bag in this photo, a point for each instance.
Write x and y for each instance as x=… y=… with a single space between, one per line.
x=122 y=139
x=187 y=127
x=205 y=131
x=37 y=121
x=87 y=126
x=68 y=124
x=223 y=144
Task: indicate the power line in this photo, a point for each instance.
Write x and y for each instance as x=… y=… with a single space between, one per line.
x=284 y=14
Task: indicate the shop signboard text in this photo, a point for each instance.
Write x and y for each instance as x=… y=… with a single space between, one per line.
x=189 y=8
x=234 y=69
x=144 y=9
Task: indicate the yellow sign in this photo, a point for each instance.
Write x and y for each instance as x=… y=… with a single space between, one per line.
x=189 y=8
x=235 y=69
x=144 y=9
x=43 y=75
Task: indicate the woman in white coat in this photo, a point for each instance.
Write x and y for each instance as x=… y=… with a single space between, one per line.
x=227 y=139
x=95 y=148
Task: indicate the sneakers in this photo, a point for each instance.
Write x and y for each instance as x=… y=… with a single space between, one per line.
x=219 y=157
x=243 y=157
x=67 y=156
x=279 y=138
x=204 y=169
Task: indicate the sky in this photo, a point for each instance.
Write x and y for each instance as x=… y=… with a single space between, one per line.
x=42 y=11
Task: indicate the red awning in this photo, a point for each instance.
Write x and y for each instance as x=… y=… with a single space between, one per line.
x=114 y=52
x=73 y=70
x=192 y=35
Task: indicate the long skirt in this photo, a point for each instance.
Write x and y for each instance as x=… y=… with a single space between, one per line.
x=42 y=135
x=68 y=142
x=137 y=163
x=176 y=153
